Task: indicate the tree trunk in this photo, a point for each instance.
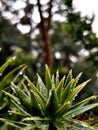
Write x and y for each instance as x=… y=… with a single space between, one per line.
x=45 y=37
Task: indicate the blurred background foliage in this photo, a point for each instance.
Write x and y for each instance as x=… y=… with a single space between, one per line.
x=56 y=35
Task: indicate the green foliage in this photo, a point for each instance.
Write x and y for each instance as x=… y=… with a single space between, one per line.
x=6 y=78
x=71 y=39
x=47 y=106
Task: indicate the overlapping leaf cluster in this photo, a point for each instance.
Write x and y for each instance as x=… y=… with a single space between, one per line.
x=48 y=105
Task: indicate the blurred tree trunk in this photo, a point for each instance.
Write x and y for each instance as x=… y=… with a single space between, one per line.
x=44 y=27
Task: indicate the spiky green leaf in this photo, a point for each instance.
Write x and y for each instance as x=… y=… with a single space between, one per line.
x=20 y=108
x=38 y=106
x=59 y=88
x=4 y=66
x=36 y=119
x=78 y=110
x=83 y=102
x=69 y=78
x=66 y=92
x=16 y=124
x=76 y=90
x=41 y=86
x=48 y=79
x=11 y=96
x=76 y=80
x=52 y=103
x=34 y=88
x=57 y=78
x=9 y=75
x=24 y=99
x=62 y=109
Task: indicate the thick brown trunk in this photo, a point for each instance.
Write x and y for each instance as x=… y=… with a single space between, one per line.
x=47 y=43
x=46 y=39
